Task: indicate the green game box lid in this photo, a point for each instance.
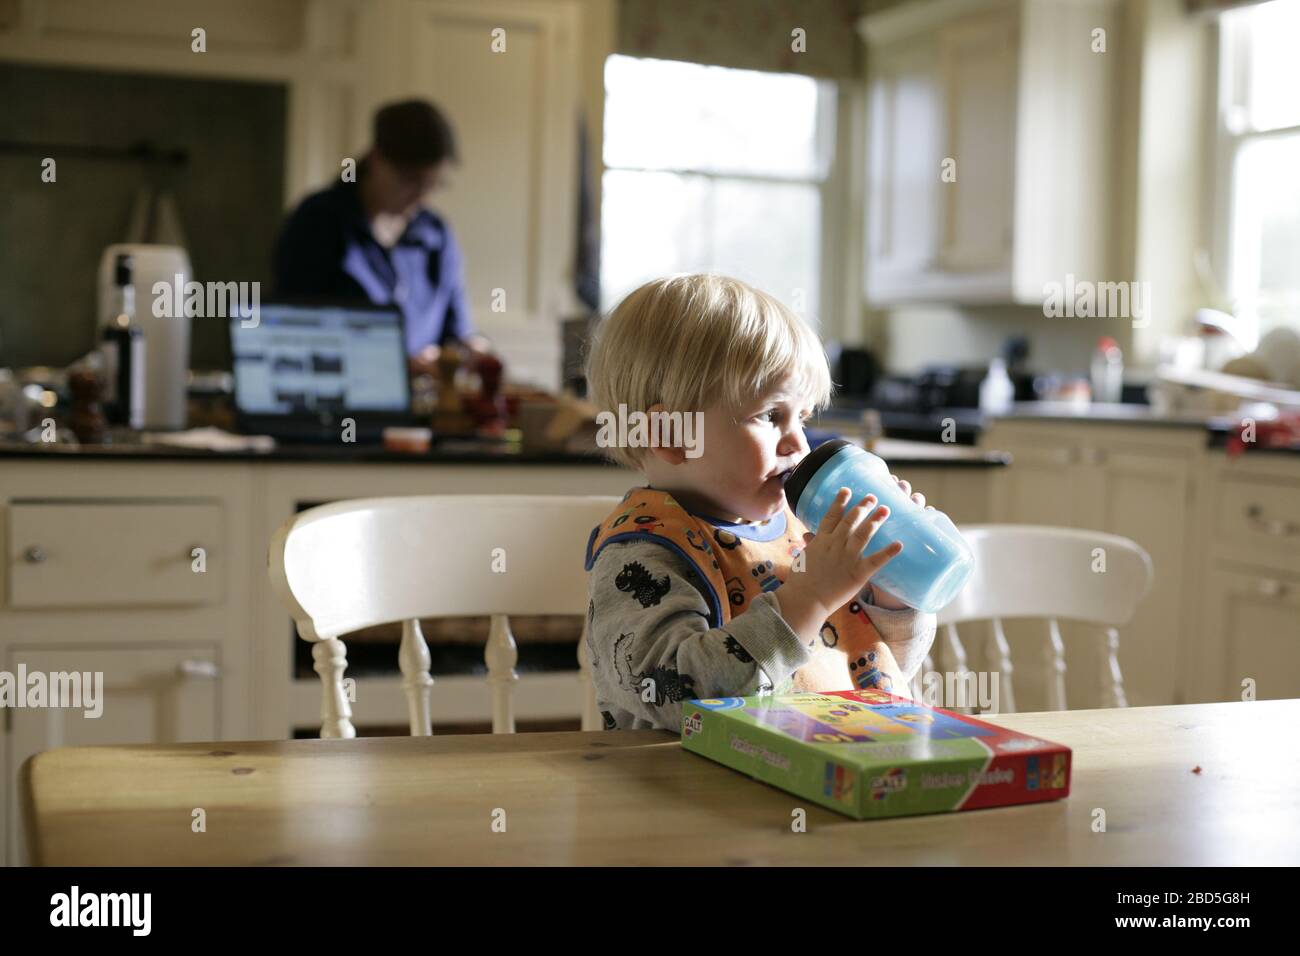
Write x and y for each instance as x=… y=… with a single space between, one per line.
x=872 y=754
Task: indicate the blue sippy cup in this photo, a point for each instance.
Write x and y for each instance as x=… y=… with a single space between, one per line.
x=935 y=562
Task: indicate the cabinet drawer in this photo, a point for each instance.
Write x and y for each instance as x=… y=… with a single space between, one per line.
x=68 y=554
x=1256 y=511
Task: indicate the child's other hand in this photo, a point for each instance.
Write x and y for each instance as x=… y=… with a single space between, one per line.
x=916 y=496
x=835 y=570
x=882 y=598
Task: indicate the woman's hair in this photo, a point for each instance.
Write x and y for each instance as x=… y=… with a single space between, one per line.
x=690 y=342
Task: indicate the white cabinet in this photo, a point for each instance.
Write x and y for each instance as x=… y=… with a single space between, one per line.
x=99 y=573
x=1251 y=588
x=1224 y=539
x=990 y=149
x=149 y=695
x=1132 y=480
x=115 y=553
x=977 y=64
x=1253 y=634
x=904 y=123
x=506 y=73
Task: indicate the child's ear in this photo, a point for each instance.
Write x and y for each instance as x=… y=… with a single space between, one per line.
x=672 y=456
x=669 y=455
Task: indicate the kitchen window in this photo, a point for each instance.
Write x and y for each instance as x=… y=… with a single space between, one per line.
x=1259 y=154
x=716 y=169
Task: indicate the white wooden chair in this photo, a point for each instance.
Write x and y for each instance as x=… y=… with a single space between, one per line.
x=1031 y=571
x=353 y=564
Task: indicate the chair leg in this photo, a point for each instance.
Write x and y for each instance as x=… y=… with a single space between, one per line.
x=954 y=654
x=331 y=660
x=1054 y=666
x=501 y=655
x=586 y=685
x=414 y=660
x=1006 y=702
x=1112 y=690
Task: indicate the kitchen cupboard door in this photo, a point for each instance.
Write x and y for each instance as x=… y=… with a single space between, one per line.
x=150 y=695
x=507 y=74
x=1023 y=108
x=1147 y=497
x=977 y=66
x=1038 y=487
x=1251 y=634
x=904 y=149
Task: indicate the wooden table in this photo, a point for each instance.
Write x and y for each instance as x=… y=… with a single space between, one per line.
x=635 y=797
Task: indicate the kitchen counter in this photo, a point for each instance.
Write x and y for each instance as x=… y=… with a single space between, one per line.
x=968 y=424
x=1217 y=428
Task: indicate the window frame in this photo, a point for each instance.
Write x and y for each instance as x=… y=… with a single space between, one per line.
x=836 y=148
x=1231 y=134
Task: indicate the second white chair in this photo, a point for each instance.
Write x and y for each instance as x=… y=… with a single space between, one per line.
x=1030 y=571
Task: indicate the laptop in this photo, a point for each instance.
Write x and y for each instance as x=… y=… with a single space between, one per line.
x=304 y=369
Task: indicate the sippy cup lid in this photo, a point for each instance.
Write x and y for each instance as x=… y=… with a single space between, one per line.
x=803 y=473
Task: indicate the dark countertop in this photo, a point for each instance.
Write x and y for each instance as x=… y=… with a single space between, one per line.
x=1106 y=414
x=446 y=452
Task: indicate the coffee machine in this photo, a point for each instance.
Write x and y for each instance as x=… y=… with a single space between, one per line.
x=166 y=338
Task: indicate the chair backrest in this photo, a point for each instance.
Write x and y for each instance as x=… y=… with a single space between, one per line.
x=353 y=564
x=1044 y=572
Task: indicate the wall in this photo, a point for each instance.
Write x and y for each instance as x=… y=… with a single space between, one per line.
x=745 y=34
x=229 y=197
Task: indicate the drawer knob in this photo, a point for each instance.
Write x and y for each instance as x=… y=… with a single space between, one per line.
x=206 y=670
x=1275 y=526
x=34 y=555
x=1271 y=587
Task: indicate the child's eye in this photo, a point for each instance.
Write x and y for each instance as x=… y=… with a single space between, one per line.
x=776 y=415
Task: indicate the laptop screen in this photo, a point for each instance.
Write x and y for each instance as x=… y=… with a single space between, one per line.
x=313 y=360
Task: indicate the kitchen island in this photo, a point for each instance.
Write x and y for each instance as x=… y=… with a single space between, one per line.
x=102 y=573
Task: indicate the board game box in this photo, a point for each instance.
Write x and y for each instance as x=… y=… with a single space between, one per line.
x=870 y=754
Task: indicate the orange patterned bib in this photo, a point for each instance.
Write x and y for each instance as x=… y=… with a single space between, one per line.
x=734 y=563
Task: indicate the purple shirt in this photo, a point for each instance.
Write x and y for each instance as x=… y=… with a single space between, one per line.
x=327 y=251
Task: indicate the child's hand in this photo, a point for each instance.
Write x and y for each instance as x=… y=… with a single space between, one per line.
x=882 y=598
x=835 y=571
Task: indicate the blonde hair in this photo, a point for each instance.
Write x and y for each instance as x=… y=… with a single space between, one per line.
x=690 y=342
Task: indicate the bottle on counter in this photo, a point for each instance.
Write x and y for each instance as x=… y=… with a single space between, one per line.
x=122 y=346
x=1107 y=376
x=997 y=391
